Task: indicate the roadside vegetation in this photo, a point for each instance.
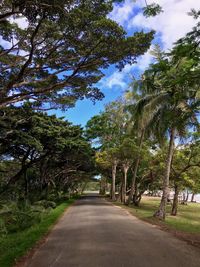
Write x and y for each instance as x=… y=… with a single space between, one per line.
x=187 y=220
x=149 y=139
x=52 y=53
x=15 y=243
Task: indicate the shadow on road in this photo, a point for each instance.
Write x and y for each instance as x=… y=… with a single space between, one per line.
x=92 y=199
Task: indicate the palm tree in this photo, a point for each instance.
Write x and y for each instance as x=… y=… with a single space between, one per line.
x=169 y=103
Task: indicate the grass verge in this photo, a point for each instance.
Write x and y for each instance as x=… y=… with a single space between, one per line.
x=13 y=246
x=186 y=225
x=187 y=219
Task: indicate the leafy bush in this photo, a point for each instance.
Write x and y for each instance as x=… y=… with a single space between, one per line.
x=3 y=230
x=46 y=204
x=18 y=216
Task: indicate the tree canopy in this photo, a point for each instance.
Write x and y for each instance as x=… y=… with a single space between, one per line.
x=58 y=53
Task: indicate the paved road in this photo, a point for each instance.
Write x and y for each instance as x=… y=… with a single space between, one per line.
x=94 y=233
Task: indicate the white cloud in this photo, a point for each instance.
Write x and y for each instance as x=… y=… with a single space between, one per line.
x=116 y=79
x=121 y=79
x=21 y=22
x=170 y=25
x=144 y=61
x=4 y=44
x=121 y=13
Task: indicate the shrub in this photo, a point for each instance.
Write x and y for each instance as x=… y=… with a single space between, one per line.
x=46 y=204
x=16 y=217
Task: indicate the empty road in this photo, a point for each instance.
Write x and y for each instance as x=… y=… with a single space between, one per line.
x=94 y=233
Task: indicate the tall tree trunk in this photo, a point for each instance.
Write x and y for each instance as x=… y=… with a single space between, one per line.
x=125 y=169
x=185 y=198
x=187 y=195
x=114 y=170
x=130 y=198
x=192 y=198
x=119 y=197
x=175 y=201
x=161 y=212
x=137 y=197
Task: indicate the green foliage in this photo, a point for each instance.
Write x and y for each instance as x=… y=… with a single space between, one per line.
x=151 y=10
x=15 y=245
x=92 y=186
x=46 y=204
x=60 y=54
x=187 y=220
x=18 y=216
x=41 y=155
x=186 y=167
x=108 y=128
x=137 y=135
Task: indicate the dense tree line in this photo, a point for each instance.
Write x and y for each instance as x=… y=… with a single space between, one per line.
x=41 y=153
x=52 y=53
x=149 y=140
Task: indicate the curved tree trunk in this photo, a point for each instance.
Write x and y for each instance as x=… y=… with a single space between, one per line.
x=161 y=212
x=192 y=198
x=114 y=170
x=130 y=198
x=175 y=201
x=137 y=198
x=185 y=198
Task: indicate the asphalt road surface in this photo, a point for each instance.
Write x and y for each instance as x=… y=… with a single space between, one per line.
x=94 y=233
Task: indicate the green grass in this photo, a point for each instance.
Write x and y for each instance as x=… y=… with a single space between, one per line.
x=13 y=246
x=187 y=219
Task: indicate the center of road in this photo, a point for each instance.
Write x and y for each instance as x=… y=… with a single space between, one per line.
x=94 y=233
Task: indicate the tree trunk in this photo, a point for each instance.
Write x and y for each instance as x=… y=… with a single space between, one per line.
x=175 y=201
x=192 y=198
x=119 y=197
x=137 y=199
x=114 y=169
x=125 y=169
x=187 y=196
x=137 y=196
x=130 y=198
x=161 y=212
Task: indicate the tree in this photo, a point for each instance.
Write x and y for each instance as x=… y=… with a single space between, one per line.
x=108 y=130
x=109 y=159
x=185 y=167
x=127 y=154
x=171 y=86
x=138 y=126
x=60 y=54
x=47 y=152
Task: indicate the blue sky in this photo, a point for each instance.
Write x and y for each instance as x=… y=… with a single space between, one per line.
x=170 y=25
